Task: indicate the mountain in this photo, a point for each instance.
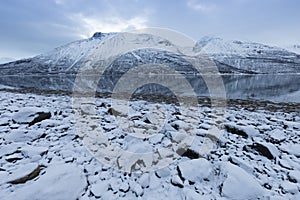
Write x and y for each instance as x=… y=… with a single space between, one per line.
x=249 y=56
x=294 y=48
x=230 y=57
x=249 y=70
x=6 y=60
x=59 y=60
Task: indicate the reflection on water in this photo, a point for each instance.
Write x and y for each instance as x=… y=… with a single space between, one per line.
x=263 y=87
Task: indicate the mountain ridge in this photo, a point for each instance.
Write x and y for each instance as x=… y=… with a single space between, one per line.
x=230 y=56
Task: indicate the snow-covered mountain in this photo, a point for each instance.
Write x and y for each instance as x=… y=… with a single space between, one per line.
x=59 y=60
x=249 y=70
x=250 y=56
x=294 y=48
x=4 y=60
x=229 y=56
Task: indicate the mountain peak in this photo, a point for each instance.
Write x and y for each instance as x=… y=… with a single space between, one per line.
x=98 y=35
x=101 y=35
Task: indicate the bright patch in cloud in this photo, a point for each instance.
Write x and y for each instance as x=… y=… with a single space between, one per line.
x=108 y=24
x=200 y=6
x=59 y=2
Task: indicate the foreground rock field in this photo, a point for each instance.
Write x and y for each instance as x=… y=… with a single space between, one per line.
x=256 y=155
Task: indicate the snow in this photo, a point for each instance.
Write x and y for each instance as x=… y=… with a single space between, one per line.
x=18 y=172
x=195 y=170
x=295 y=175
x=293 y=149
x=8 y=149
x=4 y=121
x=136 y=188
x=74 y=51
x=28 y=114
x=21 y=136
x=216 y=45
x=67 y=179
x=277 y=135
x=124 y=187
x=293 y=48
x=68 y=170
x=240 y=185
x=290 y=187
x=144 y=180
x=175 y=180
x=164 y=172
x=99 y=188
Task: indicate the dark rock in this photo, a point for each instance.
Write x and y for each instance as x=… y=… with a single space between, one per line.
x=291 y=179
x=180 y=174
x=13 y=159
x=137 y=163
x=41 y=116
x=235 y=130
x=28 y=177
x=267 y=186
x=176 y=182
x=4 y=121
x=259 y=149
x=98 y=35
x=188 y=153
x=31 y=115
x=112 y=111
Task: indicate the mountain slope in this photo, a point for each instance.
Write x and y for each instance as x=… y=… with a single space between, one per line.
x=59 y=60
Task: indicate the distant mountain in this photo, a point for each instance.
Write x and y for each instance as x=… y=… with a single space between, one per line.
x=294 y=48
x=250 y=56
x=6 y=60
x=230 y=57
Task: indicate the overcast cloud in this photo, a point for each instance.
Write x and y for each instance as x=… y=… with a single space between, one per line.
x=31 y=27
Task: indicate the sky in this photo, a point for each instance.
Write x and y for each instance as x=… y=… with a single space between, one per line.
x=32 y=27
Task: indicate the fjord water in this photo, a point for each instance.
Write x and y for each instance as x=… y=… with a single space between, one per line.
x=273 y=87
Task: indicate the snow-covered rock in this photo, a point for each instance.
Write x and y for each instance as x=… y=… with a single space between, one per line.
x=60 y=181
x=244 y=131
x=295 y=175
x=277 y=135
x=240 y=185
x=293 y=149
x=290 y=187
x=22 y=173
x=267 y=150
x=195 y=170
x=4 y=121
x=23 y=136
x=68 y=170
x=99 y=188
x=31 y=115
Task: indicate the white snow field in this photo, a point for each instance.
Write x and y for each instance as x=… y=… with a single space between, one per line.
x=42 y=156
